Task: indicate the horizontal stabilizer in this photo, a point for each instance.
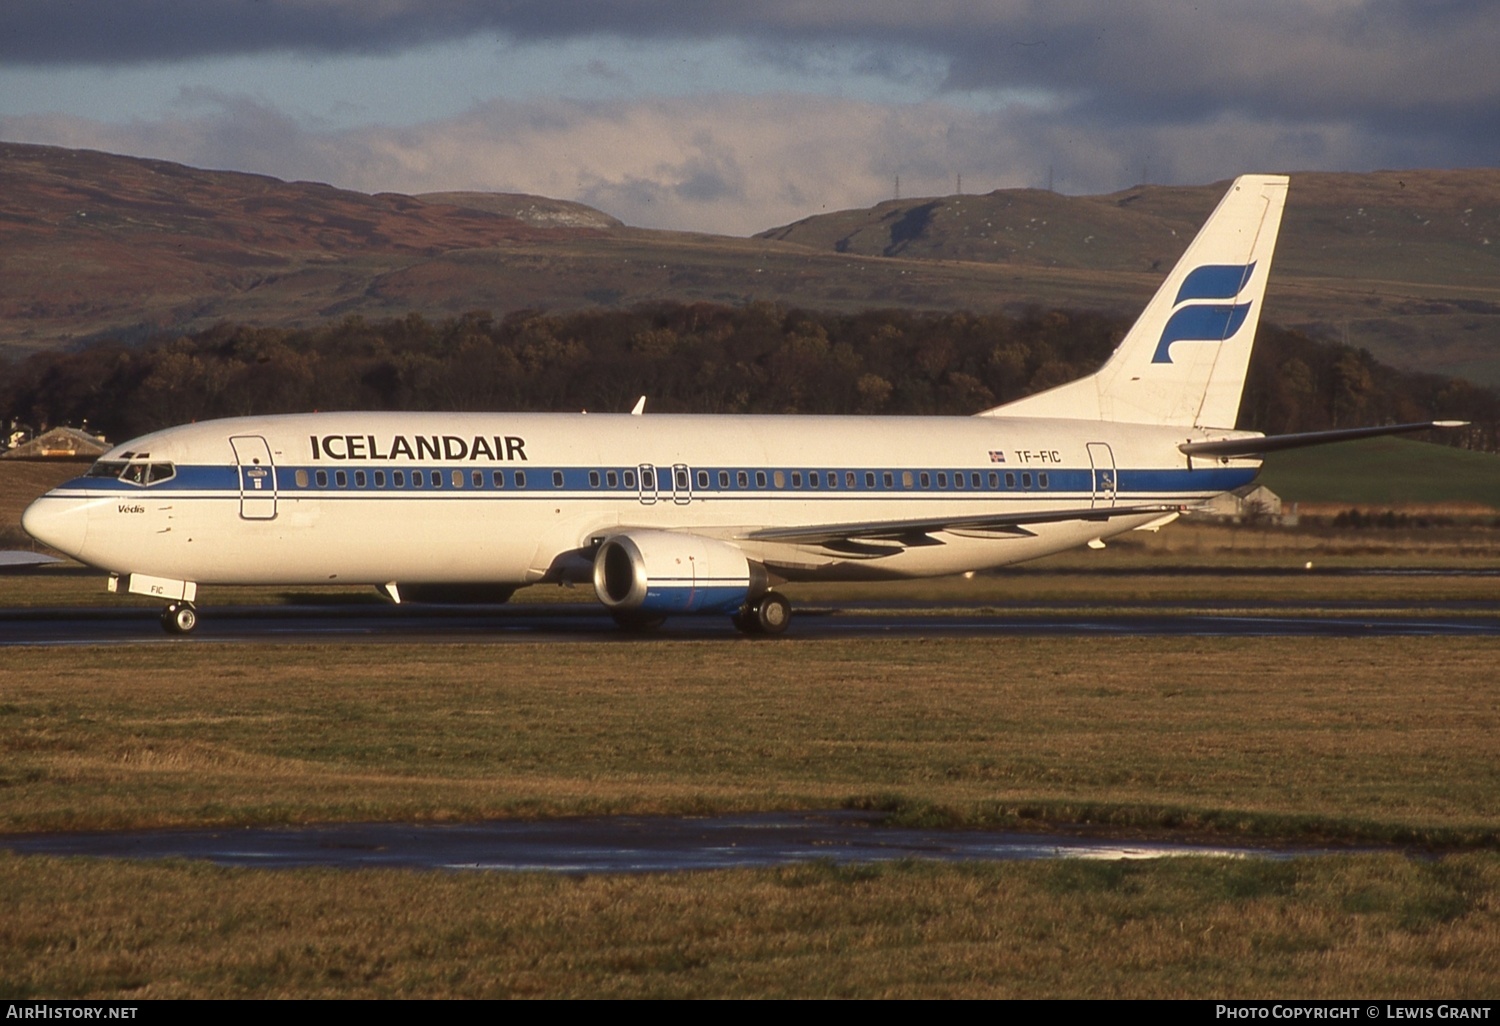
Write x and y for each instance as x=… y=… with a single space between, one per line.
x=1275 y=443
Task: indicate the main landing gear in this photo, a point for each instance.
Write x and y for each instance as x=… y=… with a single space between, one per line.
x=179 y=618
x=770 y=614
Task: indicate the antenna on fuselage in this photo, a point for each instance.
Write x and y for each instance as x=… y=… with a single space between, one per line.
x=639 y=407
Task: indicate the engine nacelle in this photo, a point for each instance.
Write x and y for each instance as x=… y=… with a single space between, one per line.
x=669 y=572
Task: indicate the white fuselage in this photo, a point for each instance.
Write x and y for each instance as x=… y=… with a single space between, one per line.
x=520 y=498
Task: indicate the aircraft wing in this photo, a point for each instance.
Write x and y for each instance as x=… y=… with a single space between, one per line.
x=911 y=533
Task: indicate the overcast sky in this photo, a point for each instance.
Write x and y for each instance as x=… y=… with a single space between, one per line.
x=738 y=115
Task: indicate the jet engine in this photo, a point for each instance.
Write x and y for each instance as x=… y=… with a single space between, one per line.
x=660 y=572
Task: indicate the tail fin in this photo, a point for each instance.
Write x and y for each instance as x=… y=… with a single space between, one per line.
x=1184 y=360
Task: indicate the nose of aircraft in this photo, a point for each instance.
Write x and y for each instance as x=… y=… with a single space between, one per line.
x=60 y=523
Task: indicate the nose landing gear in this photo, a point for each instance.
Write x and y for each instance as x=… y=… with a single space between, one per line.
x=179 y=618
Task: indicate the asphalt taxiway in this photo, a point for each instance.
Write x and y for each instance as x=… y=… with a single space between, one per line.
x=566 y=622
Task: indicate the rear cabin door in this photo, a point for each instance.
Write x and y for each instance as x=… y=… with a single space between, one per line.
x=1102 y=458
x=257 y=477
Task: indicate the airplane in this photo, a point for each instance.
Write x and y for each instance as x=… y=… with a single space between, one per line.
x=696 y=514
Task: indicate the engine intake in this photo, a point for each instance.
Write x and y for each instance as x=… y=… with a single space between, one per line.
x=668 y=572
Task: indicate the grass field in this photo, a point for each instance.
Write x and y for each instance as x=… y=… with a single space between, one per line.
x=1373 y=926
x=1383 y=472
x=1344 y=739
x=1341 y=740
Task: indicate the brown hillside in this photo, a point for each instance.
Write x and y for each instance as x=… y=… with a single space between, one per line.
x=1403 y=263
x=91 y=242
x=1406 y=264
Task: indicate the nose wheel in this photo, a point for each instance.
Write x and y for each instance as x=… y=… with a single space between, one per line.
x=770 y=614
x=179 y=618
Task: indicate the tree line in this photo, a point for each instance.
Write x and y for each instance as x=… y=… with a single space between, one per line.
x=699 y=358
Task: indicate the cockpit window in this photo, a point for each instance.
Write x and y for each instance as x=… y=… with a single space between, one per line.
x=137 y=472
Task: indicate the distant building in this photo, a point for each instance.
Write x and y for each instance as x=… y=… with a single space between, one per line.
x=62 y=443
x=1250 y=502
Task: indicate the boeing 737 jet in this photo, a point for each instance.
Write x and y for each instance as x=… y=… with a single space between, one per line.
x=669 y=514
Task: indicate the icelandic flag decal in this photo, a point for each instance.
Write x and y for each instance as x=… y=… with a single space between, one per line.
x=996 y=456
x=1206 y=322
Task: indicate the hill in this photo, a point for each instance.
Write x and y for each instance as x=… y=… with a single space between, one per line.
x=1405 y=264
x=100 y=246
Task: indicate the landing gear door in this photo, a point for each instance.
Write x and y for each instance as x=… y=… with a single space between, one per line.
x=257 y=477
x=1102 y=458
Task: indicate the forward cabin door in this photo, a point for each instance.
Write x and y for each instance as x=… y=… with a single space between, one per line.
x=1102 y=458
x=257 y=477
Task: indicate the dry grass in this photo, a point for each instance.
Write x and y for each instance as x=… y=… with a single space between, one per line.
x=1391 y=738
x=1202 y=928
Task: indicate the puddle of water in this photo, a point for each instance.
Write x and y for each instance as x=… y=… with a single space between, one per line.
x=625 y=844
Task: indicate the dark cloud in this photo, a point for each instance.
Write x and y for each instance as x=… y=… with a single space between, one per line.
x=1376 y=62
x=1105 y=94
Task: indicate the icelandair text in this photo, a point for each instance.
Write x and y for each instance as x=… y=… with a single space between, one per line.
x=494 y=448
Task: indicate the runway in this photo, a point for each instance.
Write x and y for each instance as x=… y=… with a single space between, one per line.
x=576 y=622
x=618 y=844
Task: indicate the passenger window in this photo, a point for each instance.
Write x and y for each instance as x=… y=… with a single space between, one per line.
x=926 y=479
x=760 y=479
x=887 y=479
x=476 y=478
x=994 y=480
x=869 y=479
x=497 y=478
x=612 y=479
x=958 y=480
x=520 y=479
x=812 y=478
x=1026 y=480
x=702 y=479
x=457 y=477
x=974 y=479
x=848 y=479
x=322 y=478
x=557 y=479
x=942 y=479
x=341 y=479
x=1010 y=479
x=301 y=477
x=648 y=479
x=416 y=479
x=905 y=479
x=437 y=479
x=379 y=479
x=723 y=479
x=398 y=477
x=682 y=480
x=359 y=479
x=779 y=479
x=796 y=479
x=742 y=479
x=1041 y=479
x=629 y=478
x=593 y=479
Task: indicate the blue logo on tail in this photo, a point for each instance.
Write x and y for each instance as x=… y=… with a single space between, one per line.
x=1206 y=322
